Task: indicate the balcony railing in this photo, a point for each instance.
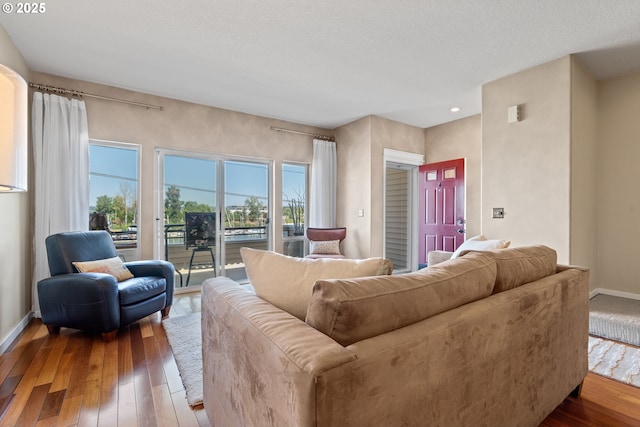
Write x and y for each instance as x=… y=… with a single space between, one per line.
x=235 y=238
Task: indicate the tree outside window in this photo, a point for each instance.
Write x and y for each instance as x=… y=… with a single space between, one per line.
x=113 y=190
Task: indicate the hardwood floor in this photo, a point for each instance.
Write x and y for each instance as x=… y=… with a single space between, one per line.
x=76 y=379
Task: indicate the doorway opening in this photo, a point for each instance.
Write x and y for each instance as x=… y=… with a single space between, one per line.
x=401 y=209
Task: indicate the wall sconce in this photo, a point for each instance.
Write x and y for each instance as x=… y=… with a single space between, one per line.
x=13 y=131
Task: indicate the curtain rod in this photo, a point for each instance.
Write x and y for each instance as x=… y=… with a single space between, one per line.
x=322 y=137
x=79 y=94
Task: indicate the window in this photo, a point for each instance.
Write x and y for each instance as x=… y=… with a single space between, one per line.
x=113 y=193
x=294 y=203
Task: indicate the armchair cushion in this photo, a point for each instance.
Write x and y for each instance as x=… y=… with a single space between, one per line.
x=140 y=288
x=113 y=266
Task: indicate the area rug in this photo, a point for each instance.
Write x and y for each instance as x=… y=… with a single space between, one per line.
x=184 y=336
x=614 y=360
x=615 y=318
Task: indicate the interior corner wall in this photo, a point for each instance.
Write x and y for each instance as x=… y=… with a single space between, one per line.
x=584 y=183
x=353 y=152
x=526 y=165
x=618 y=233
x=461 y=139
x=361 y=168
x=15 y=229
x=394 y=135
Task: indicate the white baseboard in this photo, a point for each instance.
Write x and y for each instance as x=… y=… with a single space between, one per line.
x=8 y=340
x=613 y=293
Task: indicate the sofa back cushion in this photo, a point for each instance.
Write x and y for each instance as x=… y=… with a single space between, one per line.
x=286 y=282
x=350 y=310
x=517 y=266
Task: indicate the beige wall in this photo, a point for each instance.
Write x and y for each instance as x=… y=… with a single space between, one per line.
x=15 y=232
x=187 y=126
x=360 y=150
x=618 y=180
x=353 y=149
x=461 y=139
x=584 y=196
x=541 y=170
x=526 y=165
x=396 y=136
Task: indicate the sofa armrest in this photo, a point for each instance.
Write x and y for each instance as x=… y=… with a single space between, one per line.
x=80 y=300
x=562 y=267
x=157 y=268
x=258 y=359
x=436 y=257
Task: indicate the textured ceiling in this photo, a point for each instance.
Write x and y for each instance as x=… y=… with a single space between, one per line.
x=324 y=63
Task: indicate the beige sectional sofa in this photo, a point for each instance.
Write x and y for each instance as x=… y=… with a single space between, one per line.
x=496 y=338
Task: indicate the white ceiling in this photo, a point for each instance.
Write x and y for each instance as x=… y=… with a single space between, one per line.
x=324 y=62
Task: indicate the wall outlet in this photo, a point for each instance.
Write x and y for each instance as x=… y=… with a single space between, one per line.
x=498 y=212
x=360 y=212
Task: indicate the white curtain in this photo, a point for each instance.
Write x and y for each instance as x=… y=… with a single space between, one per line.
x=323 y=185
x=61 y=160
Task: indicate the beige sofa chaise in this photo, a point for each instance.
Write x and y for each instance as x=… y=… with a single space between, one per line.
x=496 y=338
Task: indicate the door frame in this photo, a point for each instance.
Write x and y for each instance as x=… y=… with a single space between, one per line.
x=409 y=161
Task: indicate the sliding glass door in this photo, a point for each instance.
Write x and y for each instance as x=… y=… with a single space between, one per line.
x=247 y=206
x=208 y=208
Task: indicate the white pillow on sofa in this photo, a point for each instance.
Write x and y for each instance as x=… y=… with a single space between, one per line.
x=287 y=282
x=480 y=243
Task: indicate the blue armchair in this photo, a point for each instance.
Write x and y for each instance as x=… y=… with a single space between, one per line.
x=97 y=301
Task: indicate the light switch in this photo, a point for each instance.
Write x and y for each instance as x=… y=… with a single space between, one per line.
x=498 y=212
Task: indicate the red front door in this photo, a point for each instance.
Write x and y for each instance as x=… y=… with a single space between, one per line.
x=441 y=207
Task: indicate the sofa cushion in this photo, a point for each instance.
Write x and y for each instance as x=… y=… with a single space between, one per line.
x=350 y=310
x=286 y=282
x=517 y=266
x=113 y=266
x=480 y=243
